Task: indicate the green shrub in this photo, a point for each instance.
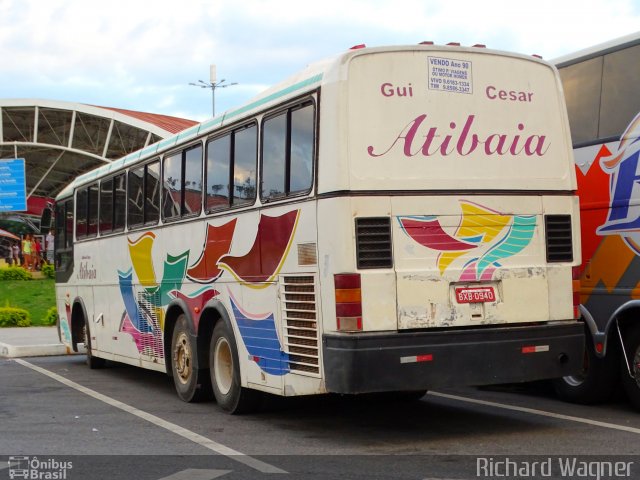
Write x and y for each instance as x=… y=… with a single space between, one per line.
x=14 y=273
x=51 y=318
x=14 y=317
x=48 y=270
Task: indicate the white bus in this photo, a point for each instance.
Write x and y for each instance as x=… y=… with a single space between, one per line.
x=390 y=220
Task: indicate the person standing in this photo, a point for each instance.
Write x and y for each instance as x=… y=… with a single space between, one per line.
x=37 y=253
x=16 y=254
x=49 y=246
x=27 y=250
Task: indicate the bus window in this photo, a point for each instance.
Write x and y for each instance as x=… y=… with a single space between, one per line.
x=582 y=86
x=620 y=102
x=81 y=213
x=172 y=180
x=60 y=219
x=106 y=206
x=182 y=180
x=302 y=143
x=120 y=202
x=218 y=168
x=135 y=201
x=287 y=153
x=68 y=225
x=152 y=193
x=274 y=146
x=192 y=191
x=92 y=211
x=244 y=165
x=64 y=240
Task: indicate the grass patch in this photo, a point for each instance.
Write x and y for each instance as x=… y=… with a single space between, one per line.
x=36 y=296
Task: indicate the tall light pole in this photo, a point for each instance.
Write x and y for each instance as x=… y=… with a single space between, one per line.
x=213 y=84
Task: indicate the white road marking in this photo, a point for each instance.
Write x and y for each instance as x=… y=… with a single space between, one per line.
x=196 y=474
x=172 y=427
x=542 y=413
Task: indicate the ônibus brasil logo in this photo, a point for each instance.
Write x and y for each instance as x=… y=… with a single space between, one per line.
x=38 y=468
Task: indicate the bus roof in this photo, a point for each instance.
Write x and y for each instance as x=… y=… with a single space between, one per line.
x=597 y=50
x=313 y=76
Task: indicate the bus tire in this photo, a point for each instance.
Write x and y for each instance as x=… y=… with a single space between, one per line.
x=630 y=384
x=192 y=384
x=597 y=380
x=92 y=361
x=224 y=367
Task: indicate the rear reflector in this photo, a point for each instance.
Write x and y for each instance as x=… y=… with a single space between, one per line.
x=417 y=358
x=535 y=349
x=348 y=302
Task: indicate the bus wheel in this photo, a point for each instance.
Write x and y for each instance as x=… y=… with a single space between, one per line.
x=192 y=384
x=92 y=362
x=632 y=384
x=596 y=381
x=225 y=373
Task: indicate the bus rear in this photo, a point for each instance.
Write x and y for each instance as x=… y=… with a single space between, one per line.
x=447 y=221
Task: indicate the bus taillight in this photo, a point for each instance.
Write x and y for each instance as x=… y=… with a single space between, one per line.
x=575 y=275
x=348 y=302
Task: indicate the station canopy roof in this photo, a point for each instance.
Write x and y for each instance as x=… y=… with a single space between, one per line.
x=60 y=140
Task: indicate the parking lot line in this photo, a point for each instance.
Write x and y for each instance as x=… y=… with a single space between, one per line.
x=534 y=411
x=172 y=427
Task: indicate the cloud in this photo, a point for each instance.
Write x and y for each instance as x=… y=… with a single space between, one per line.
x=140 y=55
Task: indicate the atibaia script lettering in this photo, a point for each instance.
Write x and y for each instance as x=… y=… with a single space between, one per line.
x=462 y=141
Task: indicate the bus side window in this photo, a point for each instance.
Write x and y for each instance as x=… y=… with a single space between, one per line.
x=182 y=183
x=302 y=147
x=287 y=152
x=152 y=193
x=172 y=181
x=92 y=211
x=120 y=202
x=244 y=165
x=192 y=195
x=64 y=240
x=106 y=206
x=218 y=168
x=81 y=213
x=135 y=197
x=274 y=145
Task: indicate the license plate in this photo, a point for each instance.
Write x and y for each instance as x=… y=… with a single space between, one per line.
x=475 y=294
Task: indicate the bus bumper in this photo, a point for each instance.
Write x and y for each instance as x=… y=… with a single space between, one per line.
x=405 y=361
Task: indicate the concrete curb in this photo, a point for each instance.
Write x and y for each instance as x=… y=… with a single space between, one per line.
x=17 y=351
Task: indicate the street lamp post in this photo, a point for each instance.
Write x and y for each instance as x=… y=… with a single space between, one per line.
x=213 y=84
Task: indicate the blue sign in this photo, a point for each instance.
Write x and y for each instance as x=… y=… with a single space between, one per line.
x=13 y=186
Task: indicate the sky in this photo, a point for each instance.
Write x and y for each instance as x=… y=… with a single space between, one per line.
x=142 y=55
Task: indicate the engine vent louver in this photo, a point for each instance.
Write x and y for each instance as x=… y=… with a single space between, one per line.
x=559 y=238
x=373 y=242
x=300 y=319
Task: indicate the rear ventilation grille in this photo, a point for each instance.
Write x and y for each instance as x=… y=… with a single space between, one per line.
x=373 y=242
x=559 y=238
x=150 y=342
x=300 y=319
